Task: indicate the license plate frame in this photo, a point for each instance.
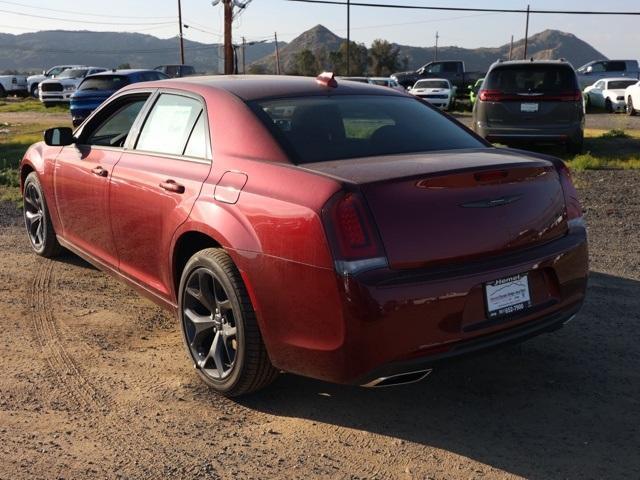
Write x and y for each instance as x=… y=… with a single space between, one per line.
x=507 y=296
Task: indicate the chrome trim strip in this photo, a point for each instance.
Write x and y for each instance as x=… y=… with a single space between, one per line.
x=378 y=381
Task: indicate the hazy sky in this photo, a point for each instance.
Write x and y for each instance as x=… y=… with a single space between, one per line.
x=614 y=36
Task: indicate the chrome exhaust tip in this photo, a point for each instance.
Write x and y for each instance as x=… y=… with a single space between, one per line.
x=399 y=379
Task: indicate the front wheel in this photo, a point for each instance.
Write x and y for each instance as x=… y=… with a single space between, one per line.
x=608 y=106
x=34 y=90
x=631 y=111
x=37 y=219
x=219 y=326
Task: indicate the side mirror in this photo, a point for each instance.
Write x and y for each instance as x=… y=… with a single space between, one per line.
x=44 y=72
x=58 y=137
x=589 y=70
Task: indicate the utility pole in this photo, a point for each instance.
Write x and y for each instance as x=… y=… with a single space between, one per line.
x=511 y=49
x=348 y=37
x=526 y=35
x=437 y=37
x=244 y=51
x=228 y=46
x=277 y=54
x=181 y=35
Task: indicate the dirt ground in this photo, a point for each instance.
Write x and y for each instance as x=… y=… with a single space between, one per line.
x=95 y=384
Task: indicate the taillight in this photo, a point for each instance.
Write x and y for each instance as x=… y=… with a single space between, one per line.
x=499 y=96
x=571 y=202
x=491 y=95
x=353 y=237
x=572 y=96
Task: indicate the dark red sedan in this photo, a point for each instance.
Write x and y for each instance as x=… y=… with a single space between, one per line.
x=337 y=230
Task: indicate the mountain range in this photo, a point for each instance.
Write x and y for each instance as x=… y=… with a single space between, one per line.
x=35 y=51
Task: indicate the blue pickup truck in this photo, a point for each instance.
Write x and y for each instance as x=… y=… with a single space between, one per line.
x=95 y=89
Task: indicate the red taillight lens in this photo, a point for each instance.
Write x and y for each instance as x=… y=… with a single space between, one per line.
x=352 y=234
x=491 y=95
x=572 y=204
x=573 y=96
x=498 y=96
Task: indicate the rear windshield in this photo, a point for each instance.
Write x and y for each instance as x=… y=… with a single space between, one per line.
x=316 y=129
x=621 y=84
x=105 y=82
x=431 y=84
x=531 y=78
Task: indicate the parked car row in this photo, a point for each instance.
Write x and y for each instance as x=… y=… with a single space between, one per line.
x=612 y=95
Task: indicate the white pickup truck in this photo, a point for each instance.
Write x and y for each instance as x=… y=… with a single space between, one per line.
x=34 y=80
x=59 y=90
x=13 y=85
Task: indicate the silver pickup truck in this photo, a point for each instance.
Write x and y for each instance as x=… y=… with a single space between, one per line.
x=13 y=85
x=598 y=69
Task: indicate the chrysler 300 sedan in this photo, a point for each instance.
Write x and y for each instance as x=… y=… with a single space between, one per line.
x=341 y=231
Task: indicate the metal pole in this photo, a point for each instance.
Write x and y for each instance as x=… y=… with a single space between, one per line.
x=511 y=49
x=437 y=37
x=181 y=35
x=348 y=37
x=244 y=51
x=277 y=54
x=228 y=46
x=526 y=35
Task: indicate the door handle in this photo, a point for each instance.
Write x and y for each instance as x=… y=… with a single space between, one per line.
x=172 y=186
x=99 y=171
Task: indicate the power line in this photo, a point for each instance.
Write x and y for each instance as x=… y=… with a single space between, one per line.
x=101 y=15
x=466 y=9
x=22 y=14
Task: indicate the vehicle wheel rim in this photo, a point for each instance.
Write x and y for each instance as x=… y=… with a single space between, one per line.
x=34 y=216
x=209 y=324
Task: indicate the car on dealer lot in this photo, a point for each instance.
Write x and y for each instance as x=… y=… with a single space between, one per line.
x=286 y=239
x=12 y=85
x=632 y=96
x=598 y=69
x=437 y=91
x=59 y=90
x=526 y=101
x=34 y=80
x=608 y=94
x=96 y=88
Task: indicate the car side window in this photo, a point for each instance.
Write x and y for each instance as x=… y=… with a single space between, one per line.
x=597 y=67
x=169 y=125
x=435 y=68
x=450 y=67
x=616 y=66
x=600 y=85
x=114 y=130
x=197 y=146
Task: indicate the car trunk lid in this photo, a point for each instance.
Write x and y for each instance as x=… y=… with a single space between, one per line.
x=455 y=206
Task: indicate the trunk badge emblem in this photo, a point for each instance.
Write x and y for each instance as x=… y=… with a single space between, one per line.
x=492 y=202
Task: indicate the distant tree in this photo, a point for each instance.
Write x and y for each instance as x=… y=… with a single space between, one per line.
x=305 y=63
x=384 y=58
x=257 y=69
x=124 y=66
x=358 y=57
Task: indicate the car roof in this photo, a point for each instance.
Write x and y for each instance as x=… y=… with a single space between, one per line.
x=531 y=62
x=254 y=87
x=125 y=72
x=618 y=79
x=433 y=80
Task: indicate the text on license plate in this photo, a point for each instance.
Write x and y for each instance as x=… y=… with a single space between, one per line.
x=529 y=107
x=507 y=296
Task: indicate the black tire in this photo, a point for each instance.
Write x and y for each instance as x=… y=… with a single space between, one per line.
x=575 y=148
x=608 y=106
x=34 y=90
x=48 y=245
x=587 y=103
x=3 y=93
x=250 y=370
x=631 y=111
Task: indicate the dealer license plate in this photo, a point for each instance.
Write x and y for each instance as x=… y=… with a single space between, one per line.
x=508 y=296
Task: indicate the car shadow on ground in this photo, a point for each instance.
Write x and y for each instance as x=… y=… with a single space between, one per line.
x=562 y=405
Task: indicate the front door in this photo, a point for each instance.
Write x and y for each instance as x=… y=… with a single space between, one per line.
x=81 y=179
x=154 y=187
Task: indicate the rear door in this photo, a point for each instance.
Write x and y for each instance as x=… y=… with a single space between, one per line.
x=155 y=184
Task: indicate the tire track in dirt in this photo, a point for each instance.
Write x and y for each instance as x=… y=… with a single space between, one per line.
x=64 y=369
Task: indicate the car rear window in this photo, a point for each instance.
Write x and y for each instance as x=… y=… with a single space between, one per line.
x=621 y=84
x=104 y=82
x=431 y=84
x=316 y=129
x=531 y=78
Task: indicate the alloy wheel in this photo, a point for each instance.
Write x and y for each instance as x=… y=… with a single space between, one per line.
x=34 y=215
x=209 y=324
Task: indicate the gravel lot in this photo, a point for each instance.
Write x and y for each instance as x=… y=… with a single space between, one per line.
x=95 y=384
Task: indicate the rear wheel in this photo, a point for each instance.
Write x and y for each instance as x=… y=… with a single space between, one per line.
x=34 y=90
x=575 y=147
x=37 y=219
x=631 y=111
x=219 y=326
x=3 y=92
x=608 y=106
x=587 y=102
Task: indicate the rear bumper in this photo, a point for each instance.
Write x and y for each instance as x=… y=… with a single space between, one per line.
x=561 y=134
x=353 y=330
